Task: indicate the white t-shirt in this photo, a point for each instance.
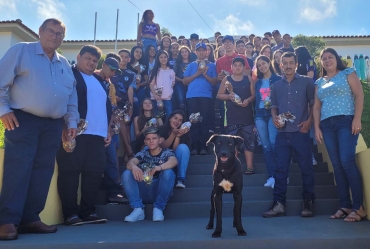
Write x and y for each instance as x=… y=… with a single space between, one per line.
x=96 y=107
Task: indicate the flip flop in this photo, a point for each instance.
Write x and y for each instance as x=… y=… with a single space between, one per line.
x=335 y=216
x=354 y=216
x=249 y=172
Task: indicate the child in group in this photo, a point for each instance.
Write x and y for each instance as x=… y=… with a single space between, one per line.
x=162 y=76
x=239 y=113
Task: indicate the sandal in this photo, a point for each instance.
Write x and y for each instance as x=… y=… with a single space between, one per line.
x=340 y=214
x=355 y=216
x=249 y=171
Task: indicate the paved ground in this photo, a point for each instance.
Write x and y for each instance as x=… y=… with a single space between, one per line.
x=283 y=232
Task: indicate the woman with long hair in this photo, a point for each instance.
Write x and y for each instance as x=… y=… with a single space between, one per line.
x=257 y=46
x=162 y=76
x=263 y=119
x=174 y=54
x=182 y=62
x=149 y=58
x=339 y=102
x=137 y=59
x=146 y=113
x=220 y=51
x=266 y=51
x=149 y=33
x=276 y=60
x=219 y=41
x=166 y=45
x=179 y=141
x=210 y=53
x=306 y=65
x=185 y=42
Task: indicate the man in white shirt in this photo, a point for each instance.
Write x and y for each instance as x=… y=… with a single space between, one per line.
x=88 y=158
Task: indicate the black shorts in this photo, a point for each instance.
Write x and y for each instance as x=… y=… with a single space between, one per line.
x=245 y=132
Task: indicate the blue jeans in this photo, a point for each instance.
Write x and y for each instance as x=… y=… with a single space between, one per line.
x=182 y=154
x=158 y=192
x=286 y=142
x=29 y=160
x=267 y=133
x=179 y=94
x=167 y=107
x=111 y=174
x=148 y=41
x=341 y=146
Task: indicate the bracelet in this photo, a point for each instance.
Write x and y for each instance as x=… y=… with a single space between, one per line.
x=161 y=167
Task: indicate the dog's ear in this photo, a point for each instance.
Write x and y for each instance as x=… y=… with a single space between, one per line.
x=212 y=139
x=238 y=141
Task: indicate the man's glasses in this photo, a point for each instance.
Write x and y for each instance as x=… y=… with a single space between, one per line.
x=51 y=32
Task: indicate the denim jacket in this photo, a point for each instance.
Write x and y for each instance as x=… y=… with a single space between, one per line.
x=263 y=112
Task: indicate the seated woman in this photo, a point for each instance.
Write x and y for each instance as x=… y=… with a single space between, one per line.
x=140 y=123
x=179 y=141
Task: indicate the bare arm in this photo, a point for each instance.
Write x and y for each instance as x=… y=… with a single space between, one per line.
x=222 y=95
x=138 y=39
x=317 y=116
x=358 y=93
x=310 y=74
x=167 y=143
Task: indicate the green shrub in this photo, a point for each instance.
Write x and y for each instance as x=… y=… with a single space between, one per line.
x=2 y=130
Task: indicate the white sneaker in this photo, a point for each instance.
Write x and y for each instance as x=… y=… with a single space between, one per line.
x=157 y=215
x=270 y=182
x=136 y=215
x=180 y=184
x=313 y=160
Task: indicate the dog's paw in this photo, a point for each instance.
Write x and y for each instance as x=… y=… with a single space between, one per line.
x=216 y=234
x=242 y=233
x=209 y=226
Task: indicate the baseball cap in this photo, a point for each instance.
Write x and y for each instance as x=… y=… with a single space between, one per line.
x=200 y=45
x=113 y=64
x=238 y=59
x=228 y=37
x=275 y=32
x=194 y=36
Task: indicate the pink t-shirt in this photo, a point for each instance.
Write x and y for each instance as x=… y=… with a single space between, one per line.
x=165 y=78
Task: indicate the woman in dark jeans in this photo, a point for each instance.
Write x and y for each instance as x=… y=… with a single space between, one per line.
x=179 y=141
x=179 y=90
x=337 y=111
x=264 y=122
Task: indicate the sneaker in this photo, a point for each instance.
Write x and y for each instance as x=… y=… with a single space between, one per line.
x=93 y=219
x=73 y=220
x=194 y=152
x=307 y=210
x=157 y=215
x=203 y=152
x=276 y=210
x=180 y=184
x=117 y=199
x=136 y=215
x=287 y=181
x=314 y=162
x=270 y=182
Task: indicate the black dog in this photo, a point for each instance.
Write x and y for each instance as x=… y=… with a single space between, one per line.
x=227 y=178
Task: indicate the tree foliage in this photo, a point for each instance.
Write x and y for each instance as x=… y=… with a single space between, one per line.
x=314 y=44
x=165 y=30
x=100 y=62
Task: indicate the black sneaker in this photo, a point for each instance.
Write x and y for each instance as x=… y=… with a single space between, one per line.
x=117 y=199
x=307 y=210
x=194 y=152
x=203 y=152
x=94 y=219
x=73 y=220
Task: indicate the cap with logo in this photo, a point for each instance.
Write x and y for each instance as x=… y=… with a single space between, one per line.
x=200 y=45
x=112 y=63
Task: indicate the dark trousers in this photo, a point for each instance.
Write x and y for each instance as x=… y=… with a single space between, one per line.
x=29 y=164
x=300 y=144
x=199 y=131
x=112 y=178
x=87 y=160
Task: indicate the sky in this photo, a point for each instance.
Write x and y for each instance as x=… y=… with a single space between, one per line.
x=233 y=17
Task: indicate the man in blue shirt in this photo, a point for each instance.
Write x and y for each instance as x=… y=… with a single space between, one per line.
x=293 y=93
x=199 y=97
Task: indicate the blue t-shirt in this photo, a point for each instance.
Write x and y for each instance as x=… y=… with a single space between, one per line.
x=199 y=87
x=264 y=92
x=336 y=95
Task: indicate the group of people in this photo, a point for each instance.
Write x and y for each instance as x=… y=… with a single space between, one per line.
x=145 y=95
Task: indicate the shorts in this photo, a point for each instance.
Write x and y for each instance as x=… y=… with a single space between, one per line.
x=245 y=132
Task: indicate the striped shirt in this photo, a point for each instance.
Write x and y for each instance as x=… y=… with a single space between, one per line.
x=33 y=83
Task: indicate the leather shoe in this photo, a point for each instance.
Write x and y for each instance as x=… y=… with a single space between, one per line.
x=8 y=232
x=36 y=227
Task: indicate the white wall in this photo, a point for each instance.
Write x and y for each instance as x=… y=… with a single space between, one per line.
x=14 y=39
x=352 y=50
x=5 y=38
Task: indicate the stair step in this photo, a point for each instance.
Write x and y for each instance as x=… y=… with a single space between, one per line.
x=295 y=179
x=191 y=210
x=259 y=168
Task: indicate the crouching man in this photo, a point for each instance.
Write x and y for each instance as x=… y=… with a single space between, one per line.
x=160 y=189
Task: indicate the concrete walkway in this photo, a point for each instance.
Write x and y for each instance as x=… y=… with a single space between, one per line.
x=273 y=233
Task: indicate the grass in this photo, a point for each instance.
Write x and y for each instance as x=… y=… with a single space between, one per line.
x=366 y=114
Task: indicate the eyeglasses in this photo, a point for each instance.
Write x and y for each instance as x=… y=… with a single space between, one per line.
x=51 y=32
